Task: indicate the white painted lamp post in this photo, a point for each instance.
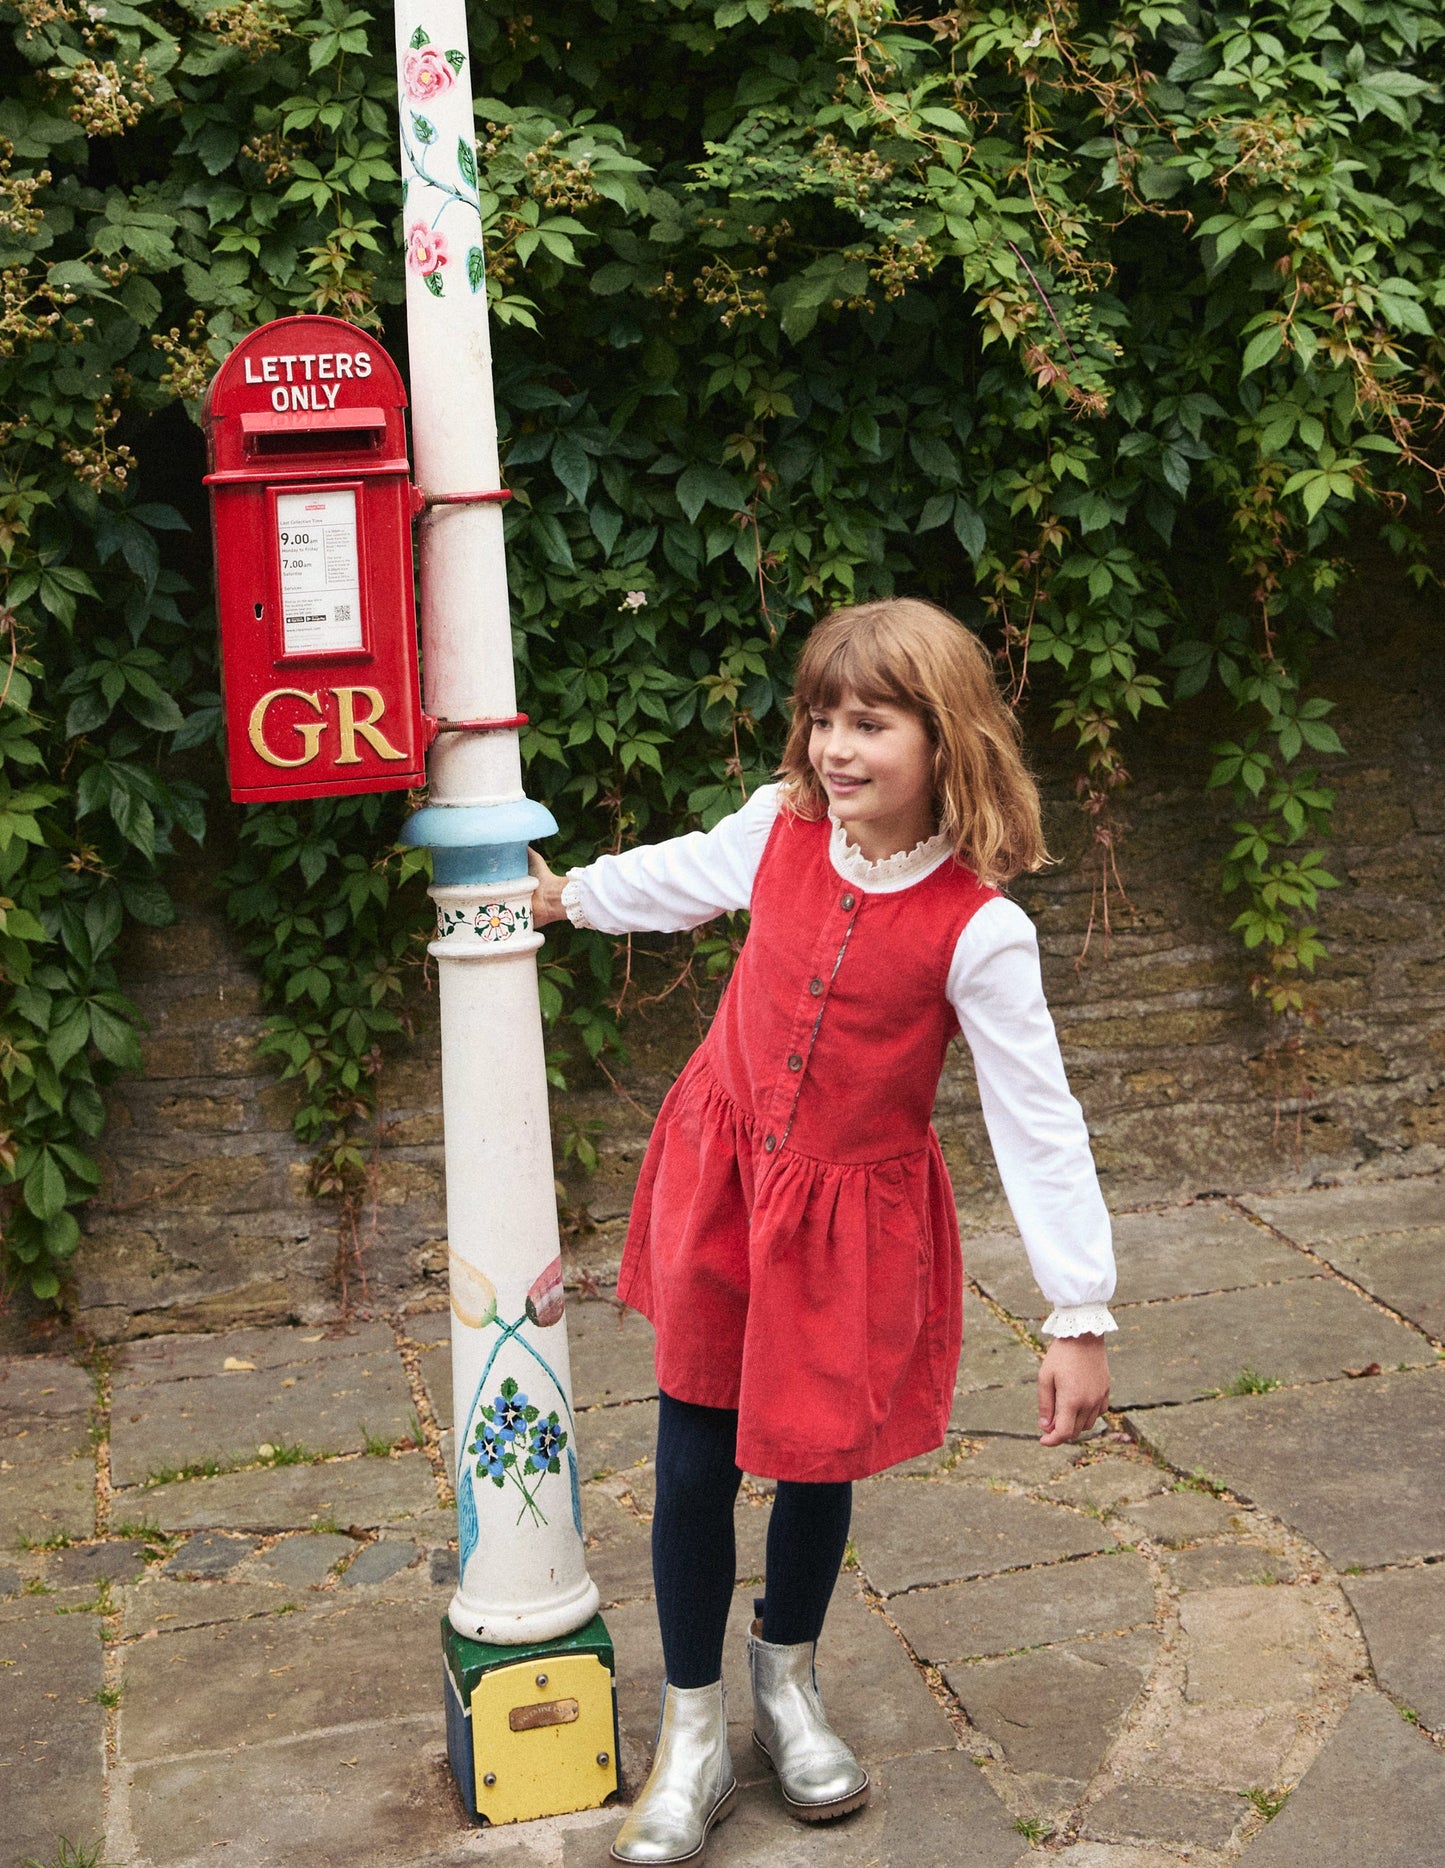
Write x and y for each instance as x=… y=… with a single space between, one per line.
x=531 y=1725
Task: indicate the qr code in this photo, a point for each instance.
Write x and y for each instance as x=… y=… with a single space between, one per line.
x=342 y=613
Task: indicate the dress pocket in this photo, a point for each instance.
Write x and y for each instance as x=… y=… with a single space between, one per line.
x=899 y=1264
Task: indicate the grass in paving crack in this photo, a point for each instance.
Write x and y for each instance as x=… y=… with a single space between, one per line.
x=1034 y=1828
x=1269 y=1803
x=104 y=1603
x=173 y=1475
x=57 y=1540
x=376 y=1445
x=1248 y=1382
x=1200 y=1481
x=69 y=1855
x=109 y=1697
x=284 y=1454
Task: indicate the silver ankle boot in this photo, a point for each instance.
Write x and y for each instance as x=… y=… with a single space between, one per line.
x=819 y=1776
x=691 y=1785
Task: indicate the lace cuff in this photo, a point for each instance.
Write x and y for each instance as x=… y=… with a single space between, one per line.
x=1079 y=1320
x=572 y=902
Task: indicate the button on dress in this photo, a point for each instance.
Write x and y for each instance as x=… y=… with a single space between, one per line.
x=793 y=1236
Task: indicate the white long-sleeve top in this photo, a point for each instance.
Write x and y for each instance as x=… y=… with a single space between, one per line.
x=1035 y=1125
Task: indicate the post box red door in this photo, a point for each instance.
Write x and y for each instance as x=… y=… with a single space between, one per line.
x=311 y=518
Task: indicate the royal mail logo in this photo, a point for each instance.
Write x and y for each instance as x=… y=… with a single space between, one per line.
x=275 y=741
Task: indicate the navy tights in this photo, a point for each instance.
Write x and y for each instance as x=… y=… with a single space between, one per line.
x=693 y=1551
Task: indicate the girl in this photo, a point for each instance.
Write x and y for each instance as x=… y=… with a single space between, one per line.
x=794 y=1238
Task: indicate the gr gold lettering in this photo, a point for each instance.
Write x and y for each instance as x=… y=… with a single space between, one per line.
x=310 y=730
x=368 y=728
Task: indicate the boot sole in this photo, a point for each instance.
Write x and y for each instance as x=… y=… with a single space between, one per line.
x=721 y=1811
x=819 y=1812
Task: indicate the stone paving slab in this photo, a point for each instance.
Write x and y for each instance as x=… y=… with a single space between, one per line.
x=1402 y=1269
x=365 y=1492
x=993 y=1355
x=47 y=1482
x=999 y=1614
x=86 y=1566
x=618 y=1548
x=1249 y=1647
x=1317 y=1217
x=1308 y=1330
x=379 y=1795
x=1182 y=1517
x=912 y=1531
x=1403 y=1616
x=610 y=1439
x=1011 y=1410
x=1018 y=1461
x=1353 y=1466
x=1223 y=1747
x=162 y=1605
x=41 y=1387
x=611 y=1354
x=1107 y=1484
x=1374 y=1798
x=209 y=1554
x=1183 y=1252
x=1054 y=1713
x=1223 y=1566
x=305 y=1560
x=183 y=1358
x=330 y=1406
x=52 y=1732
x=1163 y=1813
x=234 y=1684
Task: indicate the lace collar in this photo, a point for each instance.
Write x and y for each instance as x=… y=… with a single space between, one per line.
x=903 y=866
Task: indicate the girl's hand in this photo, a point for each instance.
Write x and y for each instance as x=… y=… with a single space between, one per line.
x=547 y=900
x=1073 y=1388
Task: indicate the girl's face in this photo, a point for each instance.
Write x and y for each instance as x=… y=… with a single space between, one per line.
x=875 y=761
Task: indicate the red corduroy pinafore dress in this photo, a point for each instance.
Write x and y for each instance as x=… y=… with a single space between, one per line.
x=793 y=1236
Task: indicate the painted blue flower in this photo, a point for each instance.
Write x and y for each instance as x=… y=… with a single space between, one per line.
x=547 y=1440
x=490 y=1455
x=509 y=1415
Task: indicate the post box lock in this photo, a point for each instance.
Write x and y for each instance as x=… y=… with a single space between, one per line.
x=311 y=506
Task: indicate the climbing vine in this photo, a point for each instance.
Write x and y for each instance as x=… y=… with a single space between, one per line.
x=1101 y=323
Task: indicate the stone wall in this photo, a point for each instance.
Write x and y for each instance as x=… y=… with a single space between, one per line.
x=205 y=1217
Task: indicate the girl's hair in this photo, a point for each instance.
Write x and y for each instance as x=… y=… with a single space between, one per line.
x=915 y=655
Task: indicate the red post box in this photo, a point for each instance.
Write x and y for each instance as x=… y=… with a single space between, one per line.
x=311 y=508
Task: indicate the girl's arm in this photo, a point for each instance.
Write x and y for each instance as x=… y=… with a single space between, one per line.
x=663 y=887
x=1041 y=1144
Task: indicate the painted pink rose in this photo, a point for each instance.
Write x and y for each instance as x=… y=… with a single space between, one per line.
x=426 y=249
x=546 y=1301
x=426 y=73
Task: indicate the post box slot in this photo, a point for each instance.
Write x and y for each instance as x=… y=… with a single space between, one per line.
x=322 y=431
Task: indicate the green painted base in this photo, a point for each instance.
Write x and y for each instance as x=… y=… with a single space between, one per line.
x=531 y=1731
